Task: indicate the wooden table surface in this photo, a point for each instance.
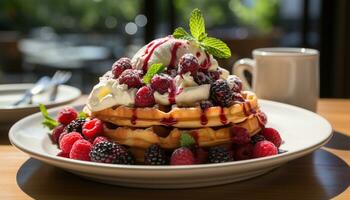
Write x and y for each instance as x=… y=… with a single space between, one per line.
x=324 y=174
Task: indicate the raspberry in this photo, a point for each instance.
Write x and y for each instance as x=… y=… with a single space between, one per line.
x=188 y=63
x=99 y=139
x=272 y=135
x=144 y=97
x=161 y=83
x=92 y=128
x=244 y=152
x=62 y=154
x=221 y=93
x=219 y=155
x=154 y=155
x=75 y=126
x=201 y=156
x=61 y=136
x=131 y=77
x=235 y=83
x=68 y=140
x=201 y=78
x=111 y=152
x=56 y=133
x=81 y=150
x=239 y=135
x=182 y=156
x=264 y=148
x=66 y=115
x=120 y=66
x=256 y=138
x=206 y=104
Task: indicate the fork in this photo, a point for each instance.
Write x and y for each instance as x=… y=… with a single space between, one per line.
x=58 y=78
x=40 y=86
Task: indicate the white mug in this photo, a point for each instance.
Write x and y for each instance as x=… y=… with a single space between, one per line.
x=289 y=75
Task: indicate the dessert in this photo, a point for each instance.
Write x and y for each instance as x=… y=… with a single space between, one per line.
x=169 y=104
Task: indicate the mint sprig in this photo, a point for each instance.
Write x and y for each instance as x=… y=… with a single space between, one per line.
x=48 y=121
x=153 y=70
x=186 y=140
x=211 y=45
x=82 y=115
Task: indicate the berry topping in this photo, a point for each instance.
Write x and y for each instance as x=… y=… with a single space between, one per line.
x=235 y=83
x=154 y=155
x=120 y=66
x=264 y=148
x=56 y=133
x=201 y=78
x=161 y=83
x=272 y=135
x=92 y=128
x=239 y=135
x=221 y=93
x=182 y=156
x=111 y=152
x=214 y=75
x=81 y=150
x=219 y=155
x=171 y=72
x=201 y=156
x=66 y=115
x=75 y=126
x=131 y=77
x=237 y=97
x=61 y=136
x=244 y=152
x=188 y=63
x=256 y=138
x=68 y=140
x=144 y=97
x=62 y=154
x=99 y=139
x=206 y=104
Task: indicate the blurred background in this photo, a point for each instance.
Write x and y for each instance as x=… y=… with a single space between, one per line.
x=38 y=37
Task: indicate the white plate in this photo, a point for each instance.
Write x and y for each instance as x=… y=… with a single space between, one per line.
x=302 y=131
x=10 y=93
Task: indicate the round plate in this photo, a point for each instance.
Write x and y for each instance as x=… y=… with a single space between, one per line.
x=10 y=93
x=301 y=130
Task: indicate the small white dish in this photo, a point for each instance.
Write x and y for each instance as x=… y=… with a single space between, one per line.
x=10 y=93
x=301 y=130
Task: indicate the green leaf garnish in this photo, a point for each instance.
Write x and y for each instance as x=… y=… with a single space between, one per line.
x=82 y=115
x=197 y=25
x=216 y=47
x=48 y=121
x=153 y=70
x=211 y=45
x=186 y=140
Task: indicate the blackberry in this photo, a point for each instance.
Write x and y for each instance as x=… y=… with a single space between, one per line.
x=111 y=152
x=219 y=155
x=201 y=78
x=256 y=138
x=154 y=155
x=75 y=125
x=206 y=104
x=221 y=93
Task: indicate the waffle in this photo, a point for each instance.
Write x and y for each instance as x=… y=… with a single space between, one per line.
x=193 y=117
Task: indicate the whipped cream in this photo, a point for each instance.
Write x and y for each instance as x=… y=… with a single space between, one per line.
x=168 y=51
x=185 y=96
x=108 y=93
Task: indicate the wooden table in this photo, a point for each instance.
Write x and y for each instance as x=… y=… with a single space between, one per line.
x=324 y=174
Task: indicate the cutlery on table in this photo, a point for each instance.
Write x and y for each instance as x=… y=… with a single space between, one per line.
x=60 y=77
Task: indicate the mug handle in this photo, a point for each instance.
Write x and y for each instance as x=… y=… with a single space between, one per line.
x=245 y=64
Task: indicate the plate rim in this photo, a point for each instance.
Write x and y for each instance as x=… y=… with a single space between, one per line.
x=28 y=85
x=45 y=156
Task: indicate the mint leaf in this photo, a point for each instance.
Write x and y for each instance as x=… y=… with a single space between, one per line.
x=202 y=37
x=48 y=121
x=82 y=115
x=180 y=32
x=197 y=25
x=186 y=140
x=216 y=47
x=153 y=70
